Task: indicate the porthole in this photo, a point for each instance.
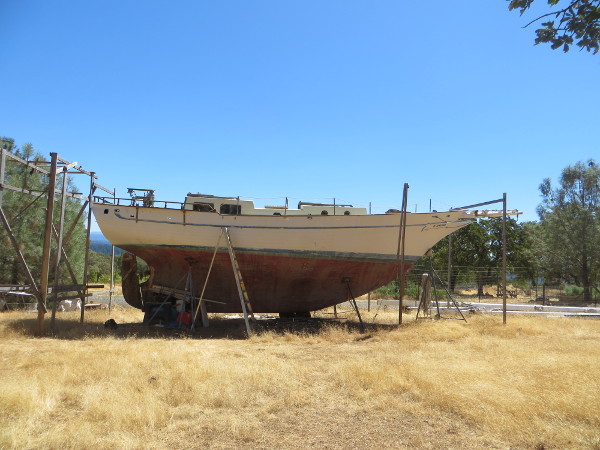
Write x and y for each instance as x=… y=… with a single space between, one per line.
x=324 y=212
x=346 y=213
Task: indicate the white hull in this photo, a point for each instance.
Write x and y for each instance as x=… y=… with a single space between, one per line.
x=366 y=236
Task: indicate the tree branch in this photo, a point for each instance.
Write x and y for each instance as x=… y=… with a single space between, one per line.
x=555 y=13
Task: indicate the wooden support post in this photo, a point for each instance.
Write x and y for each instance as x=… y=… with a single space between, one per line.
x=425 y=297
x=449 y=278
x=2 y=171
x=87 y=245
x=59 y=250
x=544 y=294
x=47 y=242
x=504 y=258
x=369 y=294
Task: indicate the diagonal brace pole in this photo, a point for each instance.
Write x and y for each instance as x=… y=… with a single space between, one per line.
x=21 y=258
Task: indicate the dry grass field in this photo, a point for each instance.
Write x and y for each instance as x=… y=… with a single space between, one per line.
x=445 y=384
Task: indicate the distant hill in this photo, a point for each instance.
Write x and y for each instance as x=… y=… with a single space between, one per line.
x=99 y=244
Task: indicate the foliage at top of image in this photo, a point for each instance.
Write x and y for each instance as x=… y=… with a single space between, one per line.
x=578 y=22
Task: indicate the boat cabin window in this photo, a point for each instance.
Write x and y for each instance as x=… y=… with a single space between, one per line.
x=324 y=212
x=276 y=214
x=231 y=209
x=346 y=213
x=204 y=207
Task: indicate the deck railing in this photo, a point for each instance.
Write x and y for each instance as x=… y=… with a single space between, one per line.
x=138 y=202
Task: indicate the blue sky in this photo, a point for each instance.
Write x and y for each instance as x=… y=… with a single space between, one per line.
x=312 y=100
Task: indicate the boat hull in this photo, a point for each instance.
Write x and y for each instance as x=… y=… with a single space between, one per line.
x=274 y=282
x=288 y=263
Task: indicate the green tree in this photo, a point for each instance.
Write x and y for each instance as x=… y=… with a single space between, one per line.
x=569 y=230
x=477 y=251
x=99 y=266
x=574 y=21
x=24 y=213
x=26 y=216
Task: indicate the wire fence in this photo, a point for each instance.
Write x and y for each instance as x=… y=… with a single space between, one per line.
x=485 y=285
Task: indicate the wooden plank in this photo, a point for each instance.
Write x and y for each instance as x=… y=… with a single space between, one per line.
x=27 y=163
x=177 y=293
x=36 y=192
x=14 y=287
x=72 y=297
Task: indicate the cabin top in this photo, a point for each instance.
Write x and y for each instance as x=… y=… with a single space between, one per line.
x=236 y=206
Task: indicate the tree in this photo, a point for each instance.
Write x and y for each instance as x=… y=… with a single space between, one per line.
x=477 y=251
x=26 y=216
x=99 y=266
x=578 y=21
x=569 y=230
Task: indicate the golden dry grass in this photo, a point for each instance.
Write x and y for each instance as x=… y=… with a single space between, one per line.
x=444 y=384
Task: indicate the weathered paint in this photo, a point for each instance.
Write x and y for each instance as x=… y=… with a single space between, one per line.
x=275 y=283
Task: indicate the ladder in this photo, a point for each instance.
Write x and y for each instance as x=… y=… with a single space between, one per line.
x=244 y=300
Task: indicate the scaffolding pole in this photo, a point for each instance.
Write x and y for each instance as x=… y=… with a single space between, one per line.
x=504 y=214
x=87 y=245
x=50 y=169
x=400 y=252
x=47 y=241
x=59 y=248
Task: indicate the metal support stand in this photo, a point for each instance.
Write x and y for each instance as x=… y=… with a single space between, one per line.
x=354 y=305
x=424 y=305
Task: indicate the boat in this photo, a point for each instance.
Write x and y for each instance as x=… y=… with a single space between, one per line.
x=292 y=260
